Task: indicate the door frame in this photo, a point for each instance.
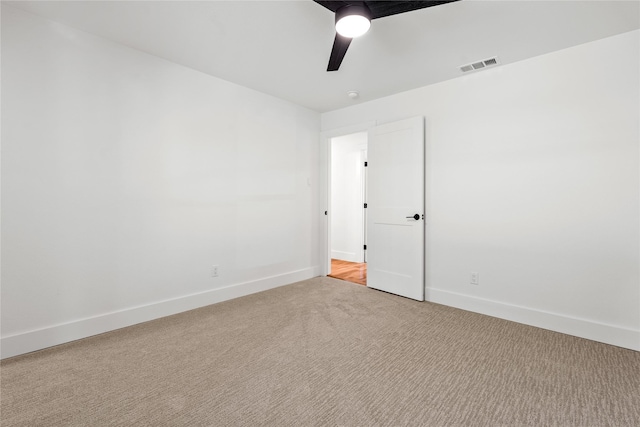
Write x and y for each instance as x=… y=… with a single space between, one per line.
x=325 y=188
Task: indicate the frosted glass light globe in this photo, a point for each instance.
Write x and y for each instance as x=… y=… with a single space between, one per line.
x=352 y=26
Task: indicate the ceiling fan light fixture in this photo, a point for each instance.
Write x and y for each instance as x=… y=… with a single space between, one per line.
x=353 y=20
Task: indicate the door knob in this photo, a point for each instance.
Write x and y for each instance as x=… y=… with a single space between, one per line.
x=416 y=217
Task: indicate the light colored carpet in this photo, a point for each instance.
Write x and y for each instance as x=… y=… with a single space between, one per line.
x=324 y=352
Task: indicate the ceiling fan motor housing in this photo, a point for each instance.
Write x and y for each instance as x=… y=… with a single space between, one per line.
x=353 y=9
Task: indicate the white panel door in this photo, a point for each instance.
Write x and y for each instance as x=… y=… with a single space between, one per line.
x=395 y=205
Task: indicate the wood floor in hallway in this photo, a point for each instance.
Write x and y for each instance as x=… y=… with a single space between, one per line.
x=355 y=272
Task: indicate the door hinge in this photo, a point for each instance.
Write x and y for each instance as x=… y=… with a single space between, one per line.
x=365 y=206
x=365 y=247
x=366 y=164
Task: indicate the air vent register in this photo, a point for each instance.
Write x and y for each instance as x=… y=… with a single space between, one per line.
x=479 y=64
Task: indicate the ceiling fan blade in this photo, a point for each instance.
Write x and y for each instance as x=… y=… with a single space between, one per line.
x=332 y=5
x=340 y=46
x=380 y=9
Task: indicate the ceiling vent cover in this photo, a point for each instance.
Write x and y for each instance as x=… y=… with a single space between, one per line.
x=478 y=65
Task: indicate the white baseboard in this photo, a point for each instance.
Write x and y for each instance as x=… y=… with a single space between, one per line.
x=609 y=334
x=59 y=334
x=345 y=256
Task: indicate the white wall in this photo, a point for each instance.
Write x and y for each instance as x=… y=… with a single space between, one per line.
x=533 y=180
x=125 y=178
x=347 y=196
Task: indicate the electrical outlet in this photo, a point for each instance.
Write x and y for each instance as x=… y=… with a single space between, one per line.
x=214 y=271
x=475 y=278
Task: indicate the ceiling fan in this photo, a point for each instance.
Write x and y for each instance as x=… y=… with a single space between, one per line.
x=353 y=19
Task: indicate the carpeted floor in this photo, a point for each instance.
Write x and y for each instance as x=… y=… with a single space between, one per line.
x=324 y=352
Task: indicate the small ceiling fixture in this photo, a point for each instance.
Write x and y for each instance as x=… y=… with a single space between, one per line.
x=353 y=20
x=353 y=94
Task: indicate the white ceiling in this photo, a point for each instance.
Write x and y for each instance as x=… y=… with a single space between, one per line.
x=282 y=47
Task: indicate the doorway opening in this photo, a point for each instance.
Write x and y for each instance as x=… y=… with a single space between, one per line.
x=395 y=195
x=348 y=195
